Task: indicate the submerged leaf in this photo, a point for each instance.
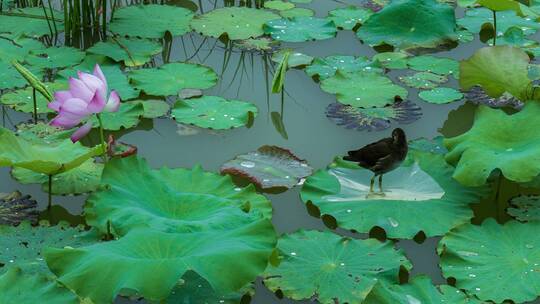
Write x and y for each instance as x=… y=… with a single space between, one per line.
x=525 y=208
x=300 y=29
x=16 y=208
x=477 y=96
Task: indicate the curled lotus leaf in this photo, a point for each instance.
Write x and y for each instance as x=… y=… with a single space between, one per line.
x=16 y=208
x=497 y=141
x=22 y=100
x=335 y=269
x=373 y=119
x=475 y=18
x=525 y=208
x=423 y=80
x=30 y=21
x=349 y=17
x=421 y=187
x=269 y=167
x=478 y=96
x=328 y=66
x=55 y=57
x=300 y=29
x=494 y=262
x=133 y=52
x=441 y=95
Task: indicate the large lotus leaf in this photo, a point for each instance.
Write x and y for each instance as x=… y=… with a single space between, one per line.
x=485 y=68
x=16 y=47
x=10 y=78
x=525 y=208
x=20 y=287
x=433 y=24
x=372 y=119
x=419 y=290
x=437 y=65
x=497 y=141
x=214 y=112
x=85 y=178
x=475 y=18
x=300 y=29
x=423 y=80
x=171 y=78
x=55 y=57
x=30 y=22
x=269 y=167
x=43 y=157
x=133 y=52
x=236 y=22
x=193 y=289
x=128 y=115
x=328 y=66
x=494 y=262
x=16 y=208
x=334 y=269
x=349 y=17
x=420 y=188
x=22 y=100
x=363 y=89
x=151 y=21
x=441 y=95
x=22 y=246
x=169 y=199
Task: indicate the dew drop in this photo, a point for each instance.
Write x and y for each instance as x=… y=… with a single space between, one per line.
x=247 y=164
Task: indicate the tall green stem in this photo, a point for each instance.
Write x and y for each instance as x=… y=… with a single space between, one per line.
x=35 y=104
x=495 y=27
x=501 y=206
x=102 y=137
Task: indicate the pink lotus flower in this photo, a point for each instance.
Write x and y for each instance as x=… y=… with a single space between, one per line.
x=86 y=96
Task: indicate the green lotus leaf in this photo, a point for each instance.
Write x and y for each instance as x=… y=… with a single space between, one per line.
x=236 y=22
x=349 y=17
x=41 y=132
x=171 y=78
x=501 y=5
x=494 y=262
x=297 y=12
x=363 y=89
x=55 y=57
x=294 y=59
x=300 y=29
x=516 y=37
x=334 y=269
x=434 y=145
x=263 y=44
x=169 y=200
x=391 y=60
x=30 y=22
x=153 y=108
x=16 y=47
x=421 y=187
x=150 y=21
x=269 y=167
x=497 y=141
x=151 y=262
x=195 y=289
x=23 y=246
x=433 y=24
x=419 y=290
x=214 y=112
x=10 y=78
x=441 y=95
x=328 y=66
x=423 y=80
x=278 y=5
x=484 y=69
x=437 y=65
x=85 y=178
x=132 y=51
x=128 y=116
x=301 y=1
x=16 y=208
x=22 y=100
x=42 y=157
x=525 y=208
x=475 y=18
x=20 y=287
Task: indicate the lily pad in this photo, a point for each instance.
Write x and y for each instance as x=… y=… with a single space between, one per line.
x=42 y=132
x=363 y=89
x=525 y=208
x=437 y=65
x=278 y=5
x=236 y=22
x=477 y=95
x=421 y=188
x=423 y=80
x=441 y=95
x=213 y=112
x=16 y=208
x=30 y=22
x=128 y=116
x=497 y=141
x=150 y=21
x=297 y=12
x=16 y=47
x=328 y=66
x=494 y=262
x=10 y=78
x=269 y=167
x=373 y=119
x=22 y=100
x=294 y=59
x=391 y=60
x=171 y=78
x=349 y=17
x=300 y=29
x=55 y=57
x=153 y=108
x=433 y=24
x=133 y=52
x=475 y=18
x=335 y=269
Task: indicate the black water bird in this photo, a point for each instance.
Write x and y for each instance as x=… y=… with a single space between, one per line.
x=382 y=156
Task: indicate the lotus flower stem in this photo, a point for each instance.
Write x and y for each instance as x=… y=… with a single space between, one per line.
x=102 y=137
x=35 y=104
x=495 y=27
x=500 y=205
x=50 y=193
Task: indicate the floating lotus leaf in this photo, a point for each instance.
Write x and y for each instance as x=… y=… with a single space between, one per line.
x=41 y=132
x=484 y=69
x=391 y=60
x=334 y=269
x=133 y=52
x=171 y=78
x=170 y=200
x=22 y=246
x=235 y=22
x=269 y=167
x=434 y=145
x=525 y=208
x=423 y=80
x=10 y=78
x=441 y=95
x=433 y=24
x=195 y=289
x=278 y=5
x=300 y=29
x=294 y=60
x=475 y=18
x=437 y=65
x=262 y=44
x=85 y=178
x=363 y=89
x=297 y=12
x=349 y=17
x=128 y=116
x=372 y=119
x=22 y=99
x=55 y=57
x=19 y=287
x=419 y=290
x=30 y=22
x=42 y=157
x=16 y=47
x=494 y=262
x=476 y=95
x=15 y=208
x=516 y=37
x=150 y=21
x=497 y=141
x=421 y=188
x=328 y=66
x=214 y=112
x=153 y=108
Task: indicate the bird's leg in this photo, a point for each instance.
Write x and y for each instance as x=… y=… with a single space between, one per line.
x=380 y=183
x=372 y=183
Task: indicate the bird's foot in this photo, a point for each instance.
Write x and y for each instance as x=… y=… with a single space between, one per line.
x=375 y=195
